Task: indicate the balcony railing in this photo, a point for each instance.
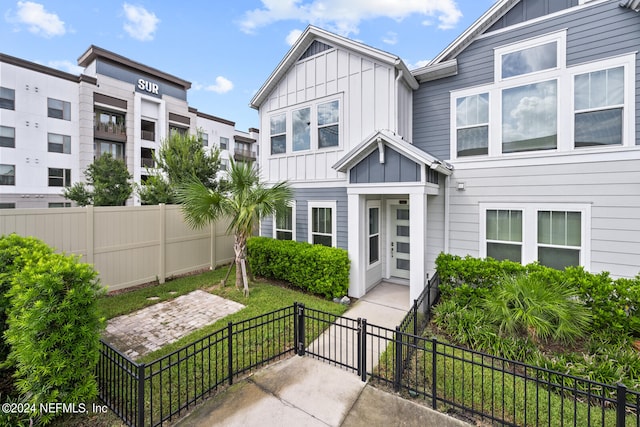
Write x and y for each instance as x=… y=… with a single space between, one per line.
x=110 y=131
x=244 y=154
x=147 y=162
x=148 y=135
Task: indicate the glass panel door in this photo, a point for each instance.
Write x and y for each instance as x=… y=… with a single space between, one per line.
x=400 y=236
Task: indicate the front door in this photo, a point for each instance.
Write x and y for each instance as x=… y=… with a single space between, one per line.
x=399 y=233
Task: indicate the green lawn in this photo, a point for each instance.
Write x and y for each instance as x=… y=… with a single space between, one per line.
x=264 y=297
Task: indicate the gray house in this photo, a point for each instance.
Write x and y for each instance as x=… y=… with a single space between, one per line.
x=518 y=141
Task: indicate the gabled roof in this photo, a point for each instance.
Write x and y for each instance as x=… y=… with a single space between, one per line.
x=478 y=27
x=392 y=140
x=312 y=33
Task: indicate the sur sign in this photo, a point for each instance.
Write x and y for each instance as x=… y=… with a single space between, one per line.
x=148 y=86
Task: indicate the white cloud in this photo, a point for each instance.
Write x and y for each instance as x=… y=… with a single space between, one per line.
x=38 y=20
x=419 y=64
x=222 y=85
x=390 y=38
x=141 y=24
x=293 y=36
x=344 y=17
x=67 y=66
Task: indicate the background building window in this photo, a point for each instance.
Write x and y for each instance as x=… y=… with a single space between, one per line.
x=7 y=174
x=7 y=98
x=7 y=205
x=301 y=129
x=224 y=143
x=204 y=137
x=59 y=204
x=148 y=129
x=173 y=130
x=472 y=124
x=224 y=164
x=7 y=137
x=374 y=235
x=58 y=109
x=284 y=224
x=59 y=143
x=559 y=238
x=147 y=157
x=328 y=124
x=598 y=103
x=59 y=177
x=116 y=149
x=278 y=134
x=504 y=234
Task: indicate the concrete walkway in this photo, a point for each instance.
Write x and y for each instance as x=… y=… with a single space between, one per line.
x=303 y=391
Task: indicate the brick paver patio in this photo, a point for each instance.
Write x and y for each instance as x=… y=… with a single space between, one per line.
x=151 y=328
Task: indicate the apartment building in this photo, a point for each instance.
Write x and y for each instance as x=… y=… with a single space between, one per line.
x=54 y=124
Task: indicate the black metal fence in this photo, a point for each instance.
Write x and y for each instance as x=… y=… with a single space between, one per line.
x=502 y=391
x=147 y=394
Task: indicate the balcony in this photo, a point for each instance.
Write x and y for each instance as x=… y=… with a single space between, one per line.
x=244 y=155
x=110 y=131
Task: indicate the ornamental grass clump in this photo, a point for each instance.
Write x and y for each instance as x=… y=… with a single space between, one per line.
x=526 y=305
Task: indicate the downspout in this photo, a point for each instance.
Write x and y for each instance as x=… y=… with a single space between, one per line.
x=446 y=213
x=395 y=106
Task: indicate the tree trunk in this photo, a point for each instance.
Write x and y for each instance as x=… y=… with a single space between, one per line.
x=240 y=249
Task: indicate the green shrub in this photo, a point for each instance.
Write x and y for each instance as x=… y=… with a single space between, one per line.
x=14 y=253
x=54 y=329
x=614 y=304
x=526 y=305
x=317 y=269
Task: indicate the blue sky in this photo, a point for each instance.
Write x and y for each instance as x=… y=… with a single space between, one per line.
x=226 y=49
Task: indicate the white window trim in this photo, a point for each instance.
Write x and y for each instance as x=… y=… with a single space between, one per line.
x=313 y=146
x=565 y=101
x=373 y=204
x=333 y=205
x=292 y=204
x=559 y=37
x=530 y=227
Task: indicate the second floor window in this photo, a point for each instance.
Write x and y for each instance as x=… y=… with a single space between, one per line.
x=278 y=134
x=7 y=98
x=58 y=109
x=599 y=105
x=116 y=149
x=472 y=124
x=328 y=124
x=224 y=143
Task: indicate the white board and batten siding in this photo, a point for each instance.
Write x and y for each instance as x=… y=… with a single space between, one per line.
x=366 y=91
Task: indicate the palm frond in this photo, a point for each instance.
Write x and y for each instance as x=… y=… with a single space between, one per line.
x=200 y=204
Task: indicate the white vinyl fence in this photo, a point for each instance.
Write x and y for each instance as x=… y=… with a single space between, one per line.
x=127 y=245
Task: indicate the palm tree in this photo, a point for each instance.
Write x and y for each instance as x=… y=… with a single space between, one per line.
x=244 y=201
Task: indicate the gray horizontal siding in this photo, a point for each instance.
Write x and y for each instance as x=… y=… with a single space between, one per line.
x=610 y=188
x=302 y=196
x=596 y=32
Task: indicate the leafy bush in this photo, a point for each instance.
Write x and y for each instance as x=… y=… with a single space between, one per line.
x=614 y=304
x=14 y=253
x=54 y=328
x=527 y=305
x=318 y=269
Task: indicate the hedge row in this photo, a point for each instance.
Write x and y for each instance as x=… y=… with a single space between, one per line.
x=615 y=303
x=317 y=269
x=50 y=323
